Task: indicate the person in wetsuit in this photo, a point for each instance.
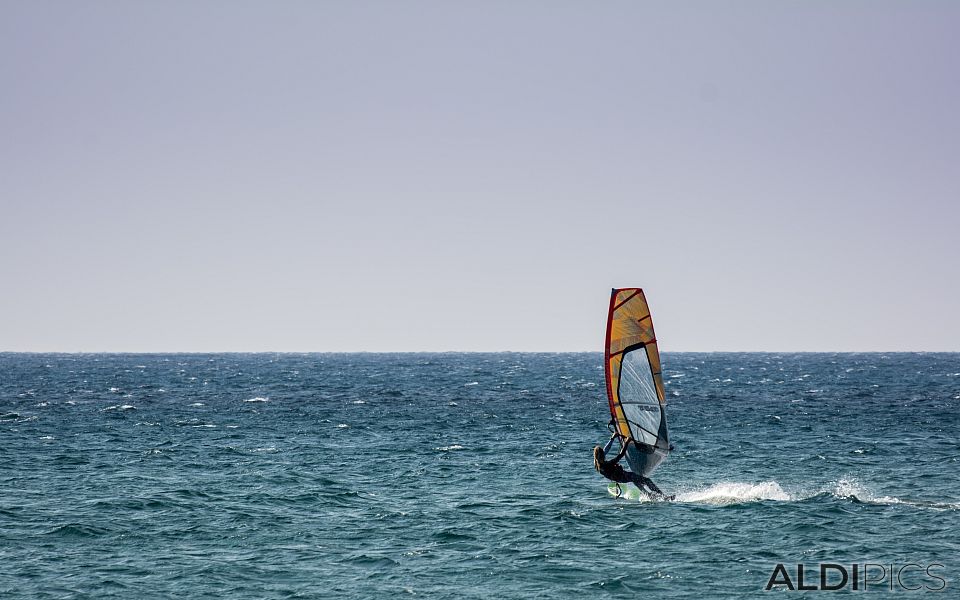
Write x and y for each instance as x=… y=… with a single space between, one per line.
x=614 y=472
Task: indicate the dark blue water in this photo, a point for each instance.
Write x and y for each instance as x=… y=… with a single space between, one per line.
x=464 y=475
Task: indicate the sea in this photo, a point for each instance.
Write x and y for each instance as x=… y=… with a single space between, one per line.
x=464 y=475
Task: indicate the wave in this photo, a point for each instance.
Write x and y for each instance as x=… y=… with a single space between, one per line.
x=77 y=530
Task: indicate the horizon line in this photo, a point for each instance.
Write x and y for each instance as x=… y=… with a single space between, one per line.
x=594 y=351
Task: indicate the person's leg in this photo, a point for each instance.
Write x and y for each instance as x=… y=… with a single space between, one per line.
x=650 y=484
x=646 y=486
x=640 y=481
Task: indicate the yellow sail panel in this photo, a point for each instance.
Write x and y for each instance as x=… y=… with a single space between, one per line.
x=629 y=321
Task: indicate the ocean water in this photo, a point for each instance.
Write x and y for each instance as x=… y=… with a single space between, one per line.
x=466 y=475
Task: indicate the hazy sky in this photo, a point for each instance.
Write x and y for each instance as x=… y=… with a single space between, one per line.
x=325 y=176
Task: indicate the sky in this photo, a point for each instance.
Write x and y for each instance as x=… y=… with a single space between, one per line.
x=475 y=176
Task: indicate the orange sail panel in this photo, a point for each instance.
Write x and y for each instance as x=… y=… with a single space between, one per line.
x=634 y=381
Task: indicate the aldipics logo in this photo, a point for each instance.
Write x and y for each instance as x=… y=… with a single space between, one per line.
x=830 y=577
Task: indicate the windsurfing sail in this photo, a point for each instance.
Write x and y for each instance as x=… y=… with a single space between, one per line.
x=634 y=381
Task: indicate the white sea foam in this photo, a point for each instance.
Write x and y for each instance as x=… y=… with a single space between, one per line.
x=734 y=492
x=449 y=448
x=719 y=494
x=851 y=489
x=258 y=399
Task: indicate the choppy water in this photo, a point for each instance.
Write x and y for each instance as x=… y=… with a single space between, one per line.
x=462 y=475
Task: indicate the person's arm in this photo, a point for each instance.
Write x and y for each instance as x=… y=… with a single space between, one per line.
x=623 y=450
x=609 y=443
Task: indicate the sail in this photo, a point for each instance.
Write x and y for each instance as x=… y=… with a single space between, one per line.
x=634 y=382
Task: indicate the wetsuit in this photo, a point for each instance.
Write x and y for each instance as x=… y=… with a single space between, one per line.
x=612 y=470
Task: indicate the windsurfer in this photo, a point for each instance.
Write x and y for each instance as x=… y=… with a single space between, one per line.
x=614 y=472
